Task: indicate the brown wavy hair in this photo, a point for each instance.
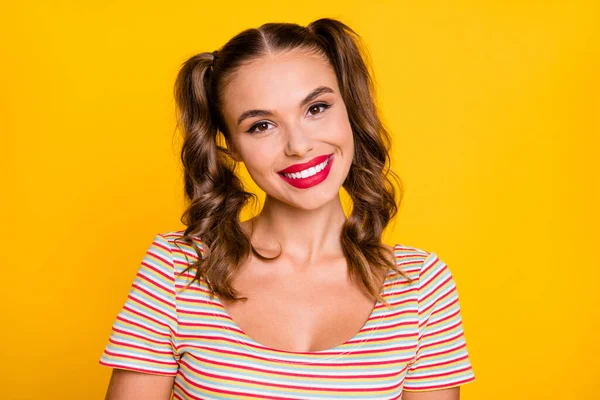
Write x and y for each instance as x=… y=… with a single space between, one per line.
x=216 y=195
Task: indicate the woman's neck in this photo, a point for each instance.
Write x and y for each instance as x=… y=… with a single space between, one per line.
x=305 y=235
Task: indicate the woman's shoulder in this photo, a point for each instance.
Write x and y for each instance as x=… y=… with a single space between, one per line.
x=411 y=258
x=181 y=247
x=405 y=252
x=173 y=235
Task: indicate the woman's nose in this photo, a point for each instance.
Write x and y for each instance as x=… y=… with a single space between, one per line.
x=298 y=141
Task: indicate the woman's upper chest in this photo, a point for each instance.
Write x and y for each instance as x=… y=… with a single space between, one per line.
x=298 y=308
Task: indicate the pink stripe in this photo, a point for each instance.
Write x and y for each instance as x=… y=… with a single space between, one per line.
x=287 y=386
x=442 y=386
x=128 y=367
x=148 y=360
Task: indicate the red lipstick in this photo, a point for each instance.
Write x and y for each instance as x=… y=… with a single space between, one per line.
x=308 y=180
x=299 y=167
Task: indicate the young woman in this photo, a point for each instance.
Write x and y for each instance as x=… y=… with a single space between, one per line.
x=299 y=302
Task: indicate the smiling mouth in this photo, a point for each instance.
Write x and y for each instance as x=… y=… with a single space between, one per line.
x=310 y=176
x=308 y=172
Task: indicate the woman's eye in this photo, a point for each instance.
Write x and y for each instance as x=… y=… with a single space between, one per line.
x=261 y=124
x=317 y=107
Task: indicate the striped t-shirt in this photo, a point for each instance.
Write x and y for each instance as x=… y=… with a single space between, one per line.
x=417 y=344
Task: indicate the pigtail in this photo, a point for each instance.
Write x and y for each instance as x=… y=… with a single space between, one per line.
x=216 y=195
x=370 y=181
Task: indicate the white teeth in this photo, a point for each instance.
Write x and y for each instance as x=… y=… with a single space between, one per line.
x=308 y=172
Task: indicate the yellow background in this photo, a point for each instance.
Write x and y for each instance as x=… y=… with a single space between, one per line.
x=495 y=113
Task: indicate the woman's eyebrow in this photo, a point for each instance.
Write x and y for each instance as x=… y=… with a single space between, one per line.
x=266 y=113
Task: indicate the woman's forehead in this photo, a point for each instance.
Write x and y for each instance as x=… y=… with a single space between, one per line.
x=279 y=80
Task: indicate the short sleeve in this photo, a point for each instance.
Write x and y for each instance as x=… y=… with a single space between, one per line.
x=144 y=331
x=441 y=360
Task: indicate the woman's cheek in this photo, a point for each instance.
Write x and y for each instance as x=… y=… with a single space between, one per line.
x=339 y=129
x=259 y=160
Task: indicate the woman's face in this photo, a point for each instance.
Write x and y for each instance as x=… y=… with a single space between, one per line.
x=284 y=110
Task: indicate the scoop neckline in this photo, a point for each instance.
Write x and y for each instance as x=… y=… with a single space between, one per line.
x=332 y=351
